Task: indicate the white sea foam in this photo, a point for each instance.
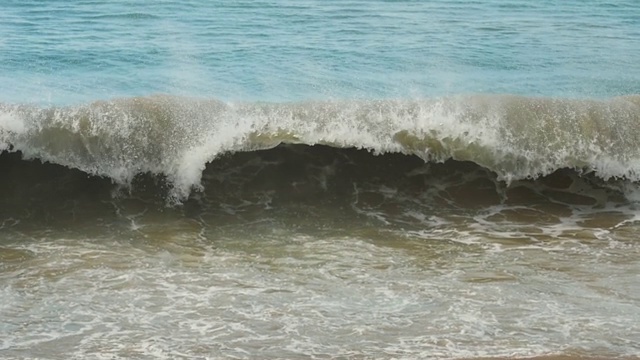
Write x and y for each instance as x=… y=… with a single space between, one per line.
x=309 y=296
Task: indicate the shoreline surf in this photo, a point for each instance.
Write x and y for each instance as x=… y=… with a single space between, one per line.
x=515 y=137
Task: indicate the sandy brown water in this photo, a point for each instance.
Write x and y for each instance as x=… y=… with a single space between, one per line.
x=303 y=252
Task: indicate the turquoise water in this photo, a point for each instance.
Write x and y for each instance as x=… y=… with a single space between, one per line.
x=67 y=52
x=319 y=179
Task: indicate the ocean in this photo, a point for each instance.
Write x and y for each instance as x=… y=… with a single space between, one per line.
x=356 y=179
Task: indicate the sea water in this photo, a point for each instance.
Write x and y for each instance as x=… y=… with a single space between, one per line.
x=304 y=179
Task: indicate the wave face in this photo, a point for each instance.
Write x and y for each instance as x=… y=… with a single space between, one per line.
x=175 y=137
x=299 y=185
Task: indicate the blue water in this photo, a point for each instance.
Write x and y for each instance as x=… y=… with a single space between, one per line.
x=60 y=52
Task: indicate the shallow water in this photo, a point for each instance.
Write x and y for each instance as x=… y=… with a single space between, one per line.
x=313 y=251
x=356 y=179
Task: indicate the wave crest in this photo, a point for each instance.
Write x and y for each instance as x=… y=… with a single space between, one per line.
x=175 y=137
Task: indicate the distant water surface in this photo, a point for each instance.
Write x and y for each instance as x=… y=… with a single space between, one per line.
x=61 y=52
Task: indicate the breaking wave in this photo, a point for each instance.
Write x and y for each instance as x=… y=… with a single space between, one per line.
x=175 y=137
